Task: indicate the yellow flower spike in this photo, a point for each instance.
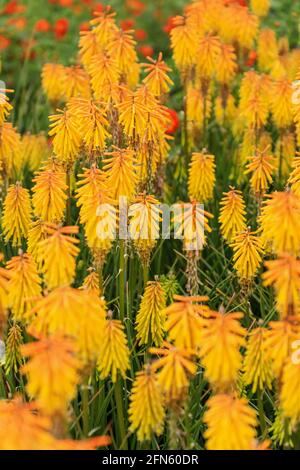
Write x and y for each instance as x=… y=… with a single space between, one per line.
x=76 y=313
x=232 y=214
x=91 y=282
x=226 y=64
x=52 y=372
x=122 y=48
x=92 y=122
x=24 y=285
x=49 y=193
x=294 y=179
x=146 y=410
x=260 y=7
x=184 y=41
x=245 y=26
x=209 y=54
x=10 y=150
x=261 y=167
x=289 y=392
x=280 y=222
x=285 y=152
x=113 y=353
x=121 y=172
x=105 y=75
x=52 y=77
x=13 y=356
x=255 y=96
x=150 y=320
x=202 y=177
x=91 y=181
x=185 y=320
x=16 y=214
x=157 y=79
x=4 y=284
x=195 y=108
x=278 y=342
x=284 y=274
x=281 y=103
x=58 y=252
x=5 y=106
x=35 y=150
x=221 y=340
x=175 y=368
x=104 y=26
x=133 y=115
x=257 y=366
x=231 y=423
x=66 y=136
x=145 y=216
x=247 y=257
x=36 y=233
x=89 y=46
x=75 y=83
x=267 y=49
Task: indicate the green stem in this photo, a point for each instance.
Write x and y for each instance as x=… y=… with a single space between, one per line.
x=85 y=406
x=120 y=413
x=261 y=412
x=145 y=274
x=122 y=279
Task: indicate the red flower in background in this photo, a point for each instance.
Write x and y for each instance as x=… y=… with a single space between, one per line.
x=42 y=26
x=141 y=34
x=61 y=28
x=174 y=121
x=13 y=7
x=127 y=24
x=251 y=58
x=98 y=7
x=146 y=50
x=66 y=3
x=243 y=3
x=84 y=26
x=169 y=25
x=4 y=42
x=136 y=6
x=18 y=23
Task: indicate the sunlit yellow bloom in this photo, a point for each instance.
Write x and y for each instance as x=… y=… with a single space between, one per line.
x=35 y=150
x=184 y=42
x=245 y=25
x=58 y=252
x=52 y=77
x=89 y=46
x=267 y=49
x=114 y=353
x=36 y=233
x=190 y=224
x=257 y=370
x=202 y=177
x=221 y=340
x=208 y=55
x=285 y=152
x=144 y=214
x=120 y=169
x=284 y=274
x=150 y=320
x=92 y=122
x=104 y=26
x=75 y=83
x=17 y=214
x=294 y=179
x=231 y=423
x=157 y=80
x=255 y=94
x=281 y=103
x=133 y=115
x=260 y=7
x=13 y=356
x=247 y=248
x=226 y=66
x=91 y=282
x=278 y=343
x=66 y=136
x=10 y=150
x=122 y=48
x=185 y=320
x=146 y=410
x=105 y=75
x=24 y=285
x=5 y=106
x=280 y=222
x=75 y=313
x=49 y=193
x=197 y=104
x=261 y=167
x=52 y=372
x=175 y=367
x=289 y=392
x=232 y=214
